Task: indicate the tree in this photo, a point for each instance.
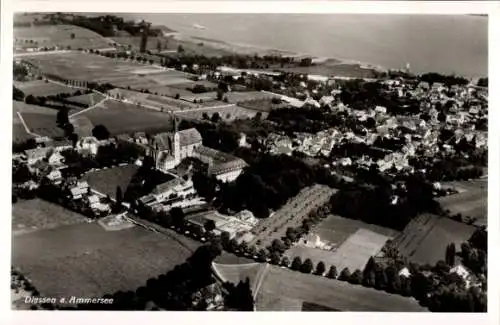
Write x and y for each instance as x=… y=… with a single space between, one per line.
x=296 y=264
x=180 y=49
x=320 y=268
x=262 y=255
x=345 y=275
x=356 y=277
x=205 y=116
x=17 y=94
x=119 y=197
x=220 y=94
x=278 y=246
x=72 y=35
x=307 y=266
x=209 y=225
x=62 y=118
x=178 y=217
x=332 y=272
x=275 y=258
x=450 y=254
x=215 y=117
x=240 y=297
x=285 y=261
x=100 y=132
x=158 y=46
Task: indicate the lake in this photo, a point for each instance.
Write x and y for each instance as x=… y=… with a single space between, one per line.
x=452 y=44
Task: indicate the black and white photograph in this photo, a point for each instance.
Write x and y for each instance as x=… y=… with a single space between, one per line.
x=249 y=162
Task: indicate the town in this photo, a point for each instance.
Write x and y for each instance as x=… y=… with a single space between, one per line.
x=167 y=173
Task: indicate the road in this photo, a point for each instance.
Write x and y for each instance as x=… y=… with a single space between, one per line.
x=26 y=126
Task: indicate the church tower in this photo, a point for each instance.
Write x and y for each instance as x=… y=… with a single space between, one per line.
x=177 y=143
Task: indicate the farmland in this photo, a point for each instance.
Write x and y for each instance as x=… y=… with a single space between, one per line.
x=85 y=260
x=353 y=253
x=125 y=118
x=119 y=72
x=425 y=238
x=280 y=289
x=37 y=214
x=471 y=201
x=42 y=88
x=39 y=120
x=227 y=112
x=150 y=101
x=107 y=180
x=58 y=35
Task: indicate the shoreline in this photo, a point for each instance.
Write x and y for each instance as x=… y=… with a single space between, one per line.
x=245 y=48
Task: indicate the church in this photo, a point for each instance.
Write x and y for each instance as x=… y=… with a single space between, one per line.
x=169 y=149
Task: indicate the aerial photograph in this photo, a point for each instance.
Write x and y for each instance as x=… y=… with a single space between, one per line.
x=249 y=162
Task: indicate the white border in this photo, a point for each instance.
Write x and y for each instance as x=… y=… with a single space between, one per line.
x=368 y=7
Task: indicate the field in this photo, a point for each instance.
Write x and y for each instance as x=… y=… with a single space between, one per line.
x=86 y=99
x=472 y=201
x=353 y=253
x=40 y=120
x=227 y=112
x=335 y=229
x=170 y=45
x=100 y=69
x=425 y=238
x=291 y=214
x=153 y=101
x=38 y=214
x=126 y=118
x=42 y=88
x=107 y=180
x=243 y=96
x=58 y=35
x=87 y=261
x=279 y=289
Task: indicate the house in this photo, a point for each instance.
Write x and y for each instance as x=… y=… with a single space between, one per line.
x=37 y=154
x=79 y=189
x=55 y=176
x=176 y=186
x=61 y=145
x=88 y=144
x=56 y=159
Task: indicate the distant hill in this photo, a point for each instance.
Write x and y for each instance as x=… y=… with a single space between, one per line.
x=104 y=25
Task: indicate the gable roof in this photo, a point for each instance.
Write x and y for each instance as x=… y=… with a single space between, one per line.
x=189 y=136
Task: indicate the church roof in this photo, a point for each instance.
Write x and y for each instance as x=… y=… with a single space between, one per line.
x=189 y=136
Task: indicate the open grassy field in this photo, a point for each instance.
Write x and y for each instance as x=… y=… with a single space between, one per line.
x=87 y=99
x=85 y=260
x=243 y=96
x=37 y=214
x=472 y=201
x=149 y=100
x=125 y=118
x=280 y=289
x=58 y=35
x=227 y=112
x=40 y=120
x=425 y=238
x=335 y=229
x=42 y=88
x=353 y=253
x=107 y=180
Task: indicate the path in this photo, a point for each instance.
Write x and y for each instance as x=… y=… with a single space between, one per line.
x=26 y=126
x=89 y=108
